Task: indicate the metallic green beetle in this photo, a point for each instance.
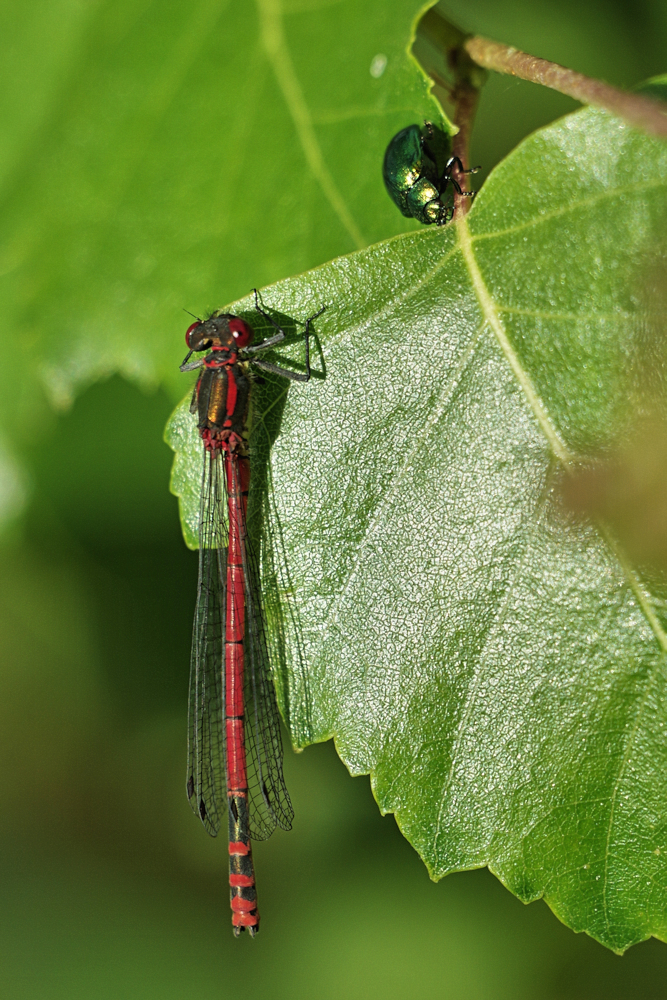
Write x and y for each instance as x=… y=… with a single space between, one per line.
x=417 y=169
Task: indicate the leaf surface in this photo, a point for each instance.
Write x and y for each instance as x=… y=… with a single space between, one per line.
x=494 y=662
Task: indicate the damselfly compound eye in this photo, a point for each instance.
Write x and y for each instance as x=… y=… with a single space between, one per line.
x=193 y=326
x=241 y=332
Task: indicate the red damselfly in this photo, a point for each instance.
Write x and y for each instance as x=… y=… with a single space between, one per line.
x=234 y=745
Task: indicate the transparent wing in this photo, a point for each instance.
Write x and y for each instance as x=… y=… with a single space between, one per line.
x=269 y=800
x=206 y=753
x=286 y=653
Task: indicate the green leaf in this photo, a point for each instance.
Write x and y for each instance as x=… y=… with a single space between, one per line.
x=179 y=149
x=494 y=662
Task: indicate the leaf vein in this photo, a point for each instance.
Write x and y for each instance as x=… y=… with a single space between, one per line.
x=490 y=311
x=275 y=45
x=558 y=213
x=495 y=622
x=618 y=314
x=418 y=442
x=351 y=332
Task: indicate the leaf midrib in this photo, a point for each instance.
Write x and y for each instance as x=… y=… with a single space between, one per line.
x=560 y=450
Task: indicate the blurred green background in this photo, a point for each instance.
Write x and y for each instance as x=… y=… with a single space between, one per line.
x=110 y=887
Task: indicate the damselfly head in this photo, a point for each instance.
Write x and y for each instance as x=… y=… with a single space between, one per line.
x=219 y=331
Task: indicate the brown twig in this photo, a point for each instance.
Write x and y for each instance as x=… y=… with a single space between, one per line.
x=642 y=112
x=462 y=90
x=466 y=99
x=464 y=95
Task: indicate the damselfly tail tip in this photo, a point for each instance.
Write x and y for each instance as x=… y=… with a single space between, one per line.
x=252 y=931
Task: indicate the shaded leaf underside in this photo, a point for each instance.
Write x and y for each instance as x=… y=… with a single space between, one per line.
x=200 y=148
